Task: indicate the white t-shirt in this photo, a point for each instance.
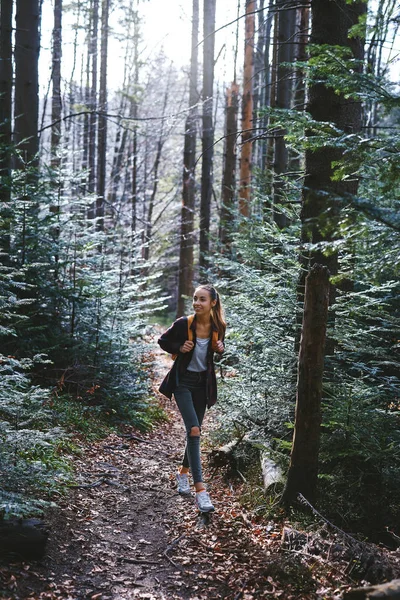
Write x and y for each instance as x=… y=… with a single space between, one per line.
x=199 y=358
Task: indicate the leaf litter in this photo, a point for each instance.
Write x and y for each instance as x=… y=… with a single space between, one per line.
x=133 y=536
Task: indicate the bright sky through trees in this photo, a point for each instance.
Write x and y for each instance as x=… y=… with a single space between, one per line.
x=165 y=26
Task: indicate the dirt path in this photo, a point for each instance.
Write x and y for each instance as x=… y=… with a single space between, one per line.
x=111 y=538
x=126 y=533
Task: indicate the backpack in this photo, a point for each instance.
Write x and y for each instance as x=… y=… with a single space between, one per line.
x=214 y=338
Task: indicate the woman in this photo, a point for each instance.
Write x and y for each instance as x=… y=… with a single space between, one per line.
x=192 y=379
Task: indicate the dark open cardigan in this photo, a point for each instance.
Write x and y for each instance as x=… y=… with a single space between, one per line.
x=171 y=341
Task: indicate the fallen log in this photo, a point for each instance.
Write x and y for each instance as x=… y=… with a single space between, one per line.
x=271 y=472
x=224 y=455
x=385 y=590
x=231 y=454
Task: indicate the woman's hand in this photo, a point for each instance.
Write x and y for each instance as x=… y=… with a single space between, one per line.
x=186 y=347
x=220 y=346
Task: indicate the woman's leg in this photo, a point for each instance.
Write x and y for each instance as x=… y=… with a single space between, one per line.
x=191 y=403
x=199 y=403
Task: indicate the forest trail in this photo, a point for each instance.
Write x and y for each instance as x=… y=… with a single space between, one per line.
x=126 y=533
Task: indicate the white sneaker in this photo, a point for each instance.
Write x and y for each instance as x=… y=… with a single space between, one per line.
x=203 y=502
x=183 y=484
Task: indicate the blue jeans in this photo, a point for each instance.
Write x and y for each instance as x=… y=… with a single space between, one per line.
x=191 y=398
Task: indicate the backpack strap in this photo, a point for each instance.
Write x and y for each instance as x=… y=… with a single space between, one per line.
x=190 y=330
x=214 y=340
x=190 y=319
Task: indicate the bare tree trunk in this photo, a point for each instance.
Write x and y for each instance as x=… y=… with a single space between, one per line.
x=303 y=468
x=269 y=150
x=320 y=212
x=56 y=105
x=102 y=121
x=185 y=280
x=286 y=45
x=134 y=114
x=229 y=166
x=93 y=104
x=302 y=39
x=6 y=77
x=26 y=55
x=208 y=129
x=258 y=79
x=86 y=118
x=247 y=112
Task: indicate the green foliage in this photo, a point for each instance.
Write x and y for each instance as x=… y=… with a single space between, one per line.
x=29 y=453
x=74 y=302
x=258 y=284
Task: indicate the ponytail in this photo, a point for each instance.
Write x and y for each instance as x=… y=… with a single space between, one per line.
x=217 y=312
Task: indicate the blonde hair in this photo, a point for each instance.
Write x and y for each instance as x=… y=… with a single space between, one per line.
x=217 y=311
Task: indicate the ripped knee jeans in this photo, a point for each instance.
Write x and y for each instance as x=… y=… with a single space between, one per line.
x=191 y=398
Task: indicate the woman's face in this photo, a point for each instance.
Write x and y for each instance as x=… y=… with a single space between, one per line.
x=202 y=302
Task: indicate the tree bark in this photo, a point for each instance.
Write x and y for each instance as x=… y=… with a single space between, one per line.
x=258 y=79
x=102 y=120
x=94 y=7
x=247 y=112
x=26 y=56
x=229 y=166
x=303 y=469
x=134 y=114
x=208 y=129
x=320 y=213
x=285 y=37
x=185 y=280
x=56 y=106
x=6 y=76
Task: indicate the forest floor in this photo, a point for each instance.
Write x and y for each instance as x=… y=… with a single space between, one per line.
x=126 y=533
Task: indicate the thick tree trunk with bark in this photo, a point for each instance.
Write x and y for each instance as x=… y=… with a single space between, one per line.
x=6 y=77
x=247 y=111
x=102 y=120
x=56 y=106
x=229 y=166
x=208 y=129
x=26 y=56
x=331 y=23
x=303 y=469
x=185 y=281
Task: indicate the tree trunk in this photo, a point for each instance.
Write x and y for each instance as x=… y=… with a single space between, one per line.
x=258 y=79
x=134 y=114
x=264 y=143
x=271 y=100
x=208 y=129
x=102 y=120
x=26 y=56
x=93 y=105
x=302 y=39
x=285 y=37
x=6 y=76
x=247 y=112
x=320 y=213
x=185 y=281
x=229 y=166
x=56 y=105
x=303 y=469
